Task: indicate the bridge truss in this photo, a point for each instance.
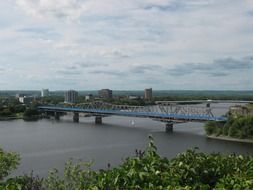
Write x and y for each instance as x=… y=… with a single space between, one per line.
x=163 y=112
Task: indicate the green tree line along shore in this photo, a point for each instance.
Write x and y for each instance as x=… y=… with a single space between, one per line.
x=13 y=109
x=238 y=125
x=146 y=170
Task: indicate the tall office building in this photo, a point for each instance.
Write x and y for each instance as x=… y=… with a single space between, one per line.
x=148 y=94
x=105 y=93
x=44 y=92
x=71 y=96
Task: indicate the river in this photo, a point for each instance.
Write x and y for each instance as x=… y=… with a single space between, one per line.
x=48 y=144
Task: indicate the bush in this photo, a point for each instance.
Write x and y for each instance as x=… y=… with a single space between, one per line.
x=6 y=113
x=31 y=113
x=25 y=182
x=210 y=128
x=8 y=162
x=241 y=127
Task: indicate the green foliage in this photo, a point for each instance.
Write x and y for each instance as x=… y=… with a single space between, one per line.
x=31 y=112
x=235 y=182
x=213 y=127
x=11 y=109
x=241 y=127
x=8 y=162
x=22 y=183
x=6 y=112
x=17 y=108
x=77 y=176
x=210 y=128
x=196 y=169
x=52 y=99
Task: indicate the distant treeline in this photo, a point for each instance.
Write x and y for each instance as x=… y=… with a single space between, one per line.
x=204 y=97
x=158 y=94
x=13 y=109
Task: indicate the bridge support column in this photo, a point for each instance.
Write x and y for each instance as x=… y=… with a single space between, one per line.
x=47 y=114
x=98 y=120
x=76 y=117
x=169 y=127
x=57 y=115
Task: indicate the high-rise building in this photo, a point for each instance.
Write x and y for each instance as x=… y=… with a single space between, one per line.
x=44 y=92
x=148 y=94
x=71 y=96
x=105 y=93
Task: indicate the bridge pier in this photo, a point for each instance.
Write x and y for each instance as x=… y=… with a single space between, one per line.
x=57 y=115
x=76 y=117
x=48 y=114
x=169 y=127
x=98 y=119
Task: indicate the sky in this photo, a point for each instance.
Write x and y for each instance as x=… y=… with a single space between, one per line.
x=126 y=44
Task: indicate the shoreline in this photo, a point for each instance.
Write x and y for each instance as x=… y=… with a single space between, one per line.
x=10 y=118
x=33 y=118
x=225 y=138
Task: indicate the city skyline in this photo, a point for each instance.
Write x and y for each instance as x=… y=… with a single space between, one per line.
x=92 y=44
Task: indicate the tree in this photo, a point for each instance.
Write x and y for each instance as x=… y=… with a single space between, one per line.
x=6 y=112
x=210 y=128
x=8 y=162
x=31 y=113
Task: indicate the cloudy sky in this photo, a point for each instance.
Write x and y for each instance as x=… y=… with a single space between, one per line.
x=126 y=44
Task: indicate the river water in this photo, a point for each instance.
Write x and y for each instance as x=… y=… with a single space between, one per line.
x=48 y=144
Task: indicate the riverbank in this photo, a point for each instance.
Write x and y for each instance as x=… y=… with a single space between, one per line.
x=31 y=118
x=10 y=118
x=226 y=138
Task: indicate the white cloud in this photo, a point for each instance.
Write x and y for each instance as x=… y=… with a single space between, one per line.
x=115 y=36
x=114 y=53
x=56 y=8
x=73 y=9
x=1 y=70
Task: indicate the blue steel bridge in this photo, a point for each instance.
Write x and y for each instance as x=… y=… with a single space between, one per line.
x=164 y=112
